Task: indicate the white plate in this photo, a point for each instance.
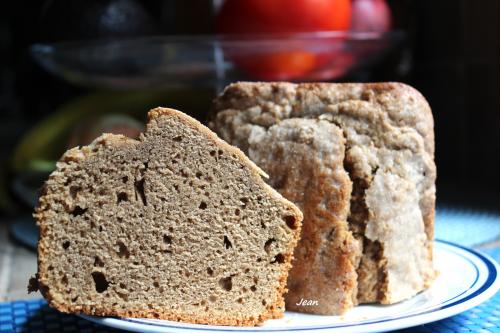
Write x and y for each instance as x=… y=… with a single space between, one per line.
x=466 y=279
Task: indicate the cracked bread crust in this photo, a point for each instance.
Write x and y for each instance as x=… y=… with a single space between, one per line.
x=119 y=249
x=389 y=148
x=329 y=254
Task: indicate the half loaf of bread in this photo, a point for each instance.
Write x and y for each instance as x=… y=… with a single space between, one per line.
x=358 y=159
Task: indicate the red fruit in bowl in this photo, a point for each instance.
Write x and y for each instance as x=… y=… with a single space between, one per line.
x=277 y=65
x=282 y=16
x=370 y=16
x=281 y=61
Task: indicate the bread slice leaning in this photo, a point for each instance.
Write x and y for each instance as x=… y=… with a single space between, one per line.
x=177 y=225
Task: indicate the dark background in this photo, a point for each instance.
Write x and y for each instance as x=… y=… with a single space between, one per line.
x=450 y=55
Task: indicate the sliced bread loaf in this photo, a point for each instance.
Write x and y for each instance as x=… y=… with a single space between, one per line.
x=358 y=159
x=177 y=225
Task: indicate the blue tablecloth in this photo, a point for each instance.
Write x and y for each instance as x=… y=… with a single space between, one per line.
x=465 y=227
x=36 y=316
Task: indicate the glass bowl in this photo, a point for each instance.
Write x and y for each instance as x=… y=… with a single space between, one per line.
x=215 y=60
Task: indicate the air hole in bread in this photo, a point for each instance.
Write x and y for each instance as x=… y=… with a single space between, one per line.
x=124 y=179
x=244 y=202
x=227 y=243
x=226 y=283
x=156 y=284
x=240 y=300
x=177 y=138
x=213 y=153
x=237 y=212
x=203 y=205
x=100 y=282
x=98 y=262
x=210 y=271
x=253 y=288
x=122 y=296
x=290 y=221
x=73 y=191
x=167 y=239
x=123 y=286
x=262 y=225
x=269 y=244
x=123 y=251
x=64 y=280
x=122 y=196
x=139 y=191
x=198 y=174
x=78 y=211
x=279 y=258
x=65 y=245
x=221 y=152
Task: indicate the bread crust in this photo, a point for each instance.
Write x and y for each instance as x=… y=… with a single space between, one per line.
x=78 y=155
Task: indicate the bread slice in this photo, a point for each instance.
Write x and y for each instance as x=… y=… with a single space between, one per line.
x=177 y=225
x=358 y=159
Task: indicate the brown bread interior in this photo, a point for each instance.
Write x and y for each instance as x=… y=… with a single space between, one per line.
x=177 y=225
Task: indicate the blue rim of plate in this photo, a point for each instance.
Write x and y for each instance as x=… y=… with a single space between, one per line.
x=493 y=278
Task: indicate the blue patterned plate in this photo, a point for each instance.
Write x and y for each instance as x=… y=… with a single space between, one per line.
x=466 y=279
